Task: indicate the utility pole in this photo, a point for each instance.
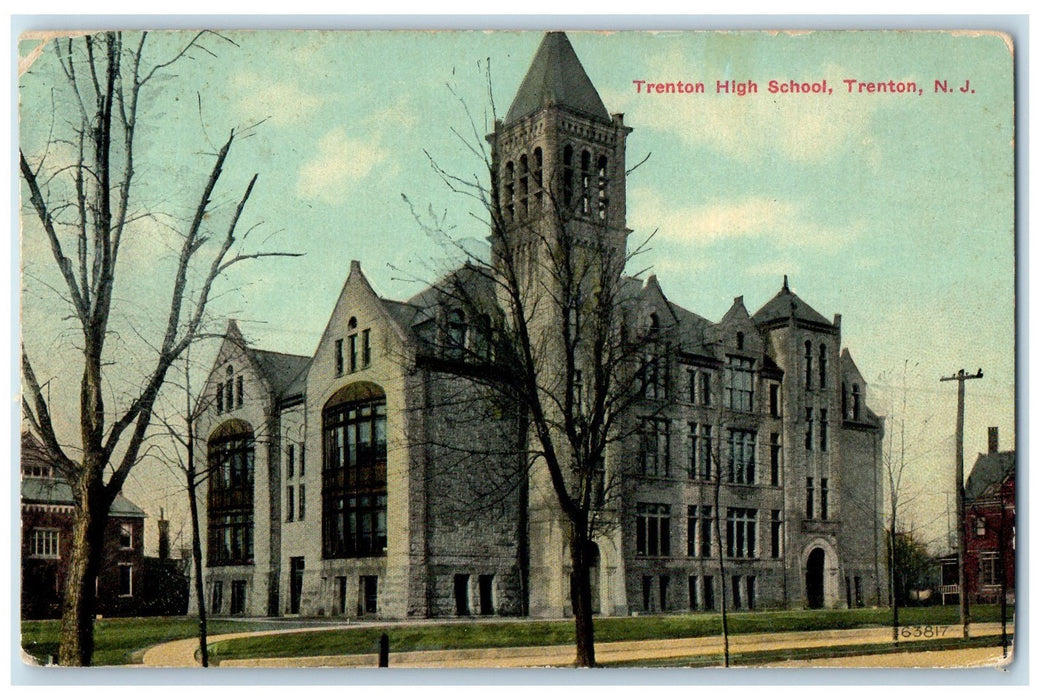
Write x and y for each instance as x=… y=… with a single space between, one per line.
x=961 y=377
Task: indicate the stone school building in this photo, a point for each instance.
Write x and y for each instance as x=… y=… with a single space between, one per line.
x=351 y=483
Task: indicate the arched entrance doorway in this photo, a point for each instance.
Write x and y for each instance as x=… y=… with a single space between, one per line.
x=814 y=578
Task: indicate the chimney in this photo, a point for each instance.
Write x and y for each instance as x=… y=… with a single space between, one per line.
x=164 y=536
x=994 y=444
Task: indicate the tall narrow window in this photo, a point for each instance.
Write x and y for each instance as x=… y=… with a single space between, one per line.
x=290 y=460
x=706 y=525
x=290 y=504
x=844 y=402
x=808 y=364
x=339 y=356
x=653 y=529
x=823 y=366
x=654 y=456
x=737 y=604
x=586 y=183
x=229 y=394
x=536 y=178
x=774 y=459
x=523 y=189
x=568 y=175
x=301 y=508
x=663 y=589
x=741 y=457
x=705 y=388
x=691 y=531
x=775 y=534
x=239 y=390
x=739 y=384
x=709 y=592
x=352 y=352
x=700 y=451
x=749 y=583
x=601 y=199
x=220 y=397
x=774 y=400
x=366 y=348
x=855 y=402
x=694 y=593
x=809 y=505
x=808 y=428
x=456 y=335
x=824 y=493
x=509 y=193
x=691 y=376
x=823 y=430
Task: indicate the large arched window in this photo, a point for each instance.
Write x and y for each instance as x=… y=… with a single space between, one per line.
x=354 y=472
x=229 y=505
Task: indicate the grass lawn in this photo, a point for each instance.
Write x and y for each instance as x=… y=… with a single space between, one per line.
x=537 y=633
x=121 y=640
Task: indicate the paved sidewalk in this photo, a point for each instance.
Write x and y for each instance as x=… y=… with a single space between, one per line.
x=182 y=652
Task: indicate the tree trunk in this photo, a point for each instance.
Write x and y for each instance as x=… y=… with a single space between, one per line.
x=79 y=604
x=722 y=567
x=196 y=553
x=581 y=600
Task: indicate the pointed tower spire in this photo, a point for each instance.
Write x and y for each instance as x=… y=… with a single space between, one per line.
x=556 y=78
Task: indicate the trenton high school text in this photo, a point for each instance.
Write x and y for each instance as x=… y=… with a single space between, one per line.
x=330 y=493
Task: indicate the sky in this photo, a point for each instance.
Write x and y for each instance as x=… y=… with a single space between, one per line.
x=894 y=210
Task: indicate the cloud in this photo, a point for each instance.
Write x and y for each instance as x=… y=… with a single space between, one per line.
x=782 y=223
x=340 y=160
x=255 y=98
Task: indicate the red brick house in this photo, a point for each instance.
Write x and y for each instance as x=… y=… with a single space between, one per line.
x=989 y=511
x=47 y=509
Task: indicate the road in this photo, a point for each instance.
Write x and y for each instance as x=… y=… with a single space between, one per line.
x=182 y=652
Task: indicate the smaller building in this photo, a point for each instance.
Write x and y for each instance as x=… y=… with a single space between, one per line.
x=47 y=516
x=989 y=513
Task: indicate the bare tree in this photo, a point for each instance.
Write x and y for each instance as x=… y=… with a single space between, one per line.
x=82 y=187
x=564 y=342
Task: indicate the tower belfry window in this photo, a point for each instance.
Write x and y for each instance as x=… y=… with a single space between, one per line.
x=523 y=186
x=601 y=199
x=568 y=175
x=509 y=192
x=586 y=182
x=536 y=176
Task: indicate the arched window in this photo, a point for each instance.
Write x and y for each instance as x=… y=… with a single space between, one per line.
x=808 y=364
x=229 y=503
x=823 y=366
x=354 y=473
x=740 y=341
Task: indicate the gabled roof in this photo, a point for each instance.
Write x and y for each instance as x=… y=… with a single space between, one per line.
x=284 y=372
x=556 y=78
x=990 y=470
x=40 y=491
x=785 y=305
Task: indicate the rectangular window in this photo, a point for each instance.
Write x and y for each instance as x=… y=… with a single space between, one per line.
x=694 y=592
x=352 y=352
x=808 y=428
x=126 y=580
x=368 y=592
x=654 y=448
x=239 y=390
x=663 y=589
x=486 y=586
x=700 y=451
x=741 y=457
x=653 y=529
x=749 y=589
x=774 y=400
x=290 y=461
x=774 y=459
x=989 y=569
x=692 y=522
x=217 y=601
x=709 y=592
x=462 y=594
x=301 y=508
x=739 y=384
x=290 y=504
x=824 y=493
x=648 y=592
x=654 y=377
x=737 y=604
x=741 y=526
x=705 y=382
x=366 y=348
x=809 y=498
x=775 y=534
x=44 y=543
x=705 y=534
x=238 y=597
x=823 y=430
x=339 y=356
x=691 y=377
x=126 y=536
x=220 y=397
x=303 y=460
x=980 y=527
x=229 y=397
